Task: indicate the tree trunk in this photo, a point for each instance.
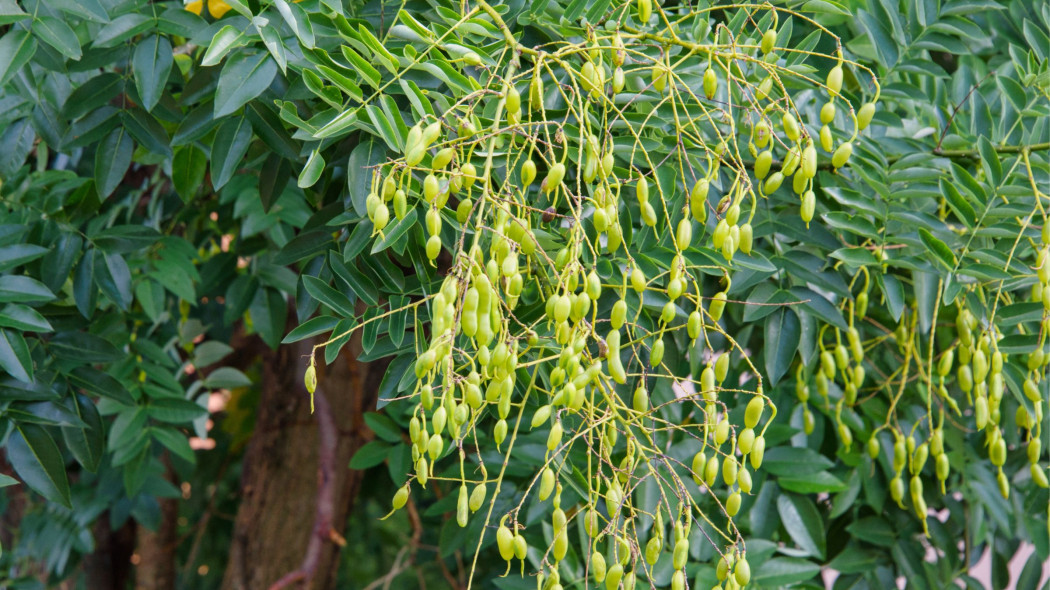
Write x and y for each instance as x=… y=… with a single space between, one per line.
x=108 y=567
x=154 y=557
x=280 y=478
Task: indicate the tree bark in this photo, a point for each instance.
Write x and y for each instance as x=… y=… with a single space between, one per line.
x=109 y=566
x=154 y=557
x=279 y=481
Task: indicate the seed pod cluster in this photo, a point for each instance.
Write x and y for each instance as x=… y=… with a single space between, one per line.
x=548 y=321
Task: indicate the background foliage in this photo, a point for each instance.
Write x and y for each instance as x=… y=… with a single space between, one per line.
x=171 y=179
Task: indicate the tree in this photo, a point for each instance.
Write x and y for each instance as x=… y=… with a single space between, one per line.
x=561 y=279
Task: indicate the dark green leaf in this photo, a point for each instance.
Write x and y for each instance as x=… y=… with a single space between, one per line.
x=328 y=296
x=244 y=77
x=38 y=461
x=188 y=170
x=370 y=455
x=14 y=356
x=311 y=327
x=23 y=318
x=228 y=148
x=783 y=333
x=941 y=252
x=17 y=47
x=56 y=33
x=152 y=62
x=20 y=289
x=175 y=410
x=803 y=523
x=86 y=443
x=19 y=254
x=84 y=347
x=112 y=160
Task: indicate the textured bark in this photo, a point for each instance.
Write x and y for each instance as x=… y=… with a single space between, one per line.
x=155 y=551
x=279 y=481
x=108 y=567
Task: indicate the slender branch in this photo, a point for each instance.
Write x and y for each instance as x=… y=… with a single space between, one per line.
x=973 y=154
x=323 y=515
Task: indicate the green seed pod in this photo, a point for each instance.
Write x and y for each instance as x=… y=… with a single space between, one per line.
x=758 y=451
x=754 y=410
x=722 y=367
x=742 y=572
x=528 y=172
x=694 y=325
x=462 y=506
x=834 y=82
x=809 y=161
x=897 y=491
x=681 y=553
x=547 y=480
x=722 y=431
x=684 y=233
x=648 y=214
x=499 y=433
x=477 y=497
x=678 y=580
x=1031 y=391
x=521 y=547
x=918 y=460
x=773 y=183
x=942 y=466
x=743 y=480
x=433 y=247
x=652 y=550
x=443 y=157
x=809 y=205
x=842 y=154
x=827 y=113
x=618 y=81
x=421 y=471
x=1034 y=449
x=711 y=470
x=637 y=279
x=613 y=577
x=826 y=140
x=791 y=129
x=1039 y=475
x=717 y=305
x=381 y=217
x=746 y=441
x=710 y=83
x=554 y=438
x=598 y=568
x=746 y=238
x=864 y=115
x=513 y=100
x=722 y=569
x=640 y=402
x=310 y=379
x=997 y=452
x=730 y=469
x=733 y=504
x=769 y=41
x=762 y=165
x=505 y=542
x=707 y=382
x=400 y=498
x=644 y=10
x=554 y=177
